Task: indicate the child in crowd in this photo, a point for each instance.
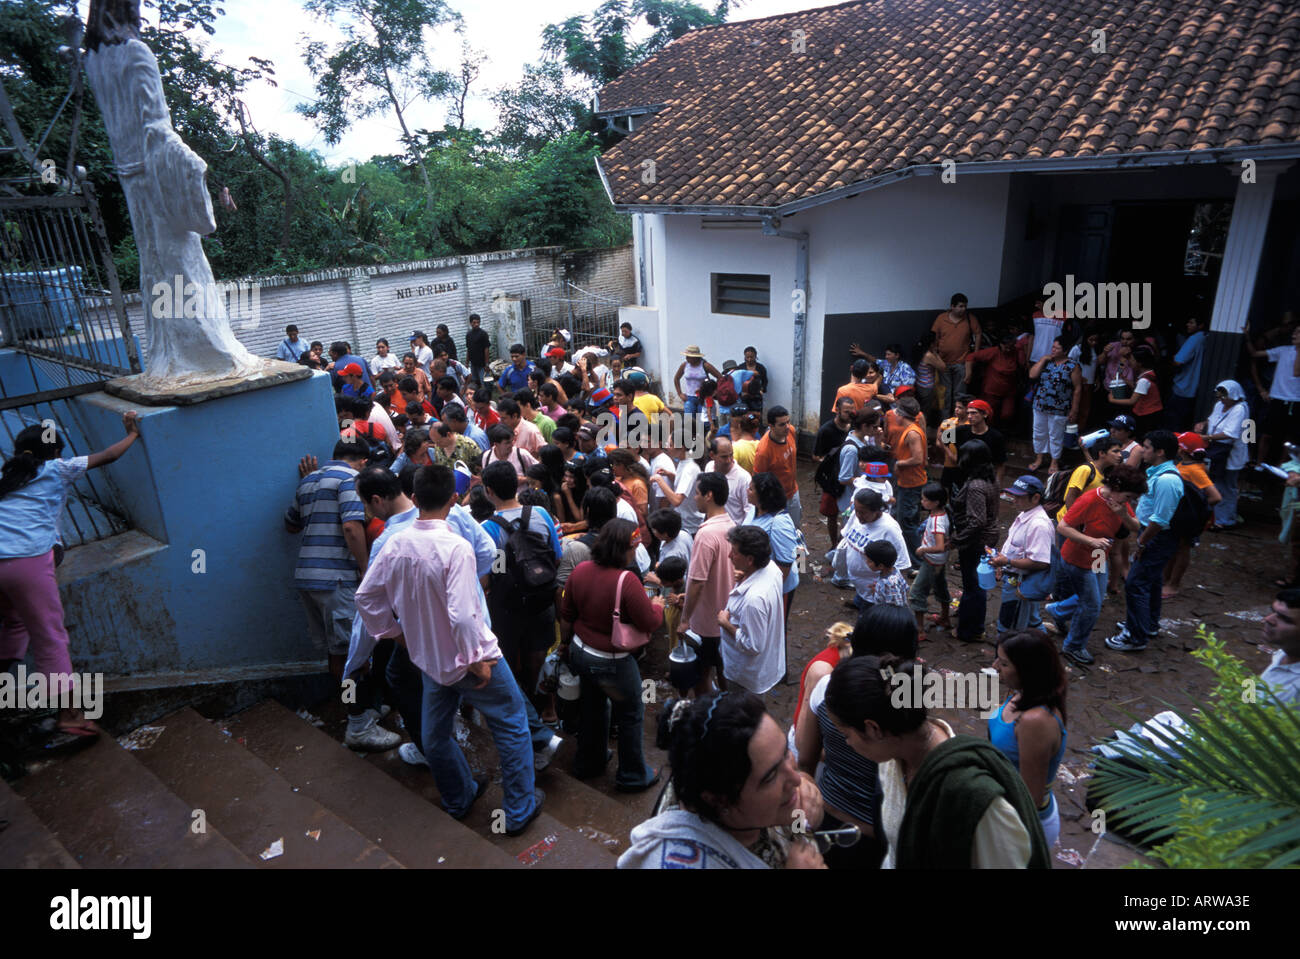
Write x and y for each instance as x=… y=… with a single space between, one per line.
x=666 y=525
x=1191 y=466
x=891 y=587
x=932 y=574
x=874 y=462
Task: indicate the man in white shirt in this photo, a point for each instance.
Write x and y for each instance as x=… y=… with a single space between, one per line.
x=1283 y=397
x=868 y=523
x=427 y=576
x=724 y=464
x=1282 y=629
x=753 y=624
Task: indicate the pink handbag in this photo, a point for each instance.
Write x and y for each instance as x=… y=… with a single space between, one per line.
x=622 y=637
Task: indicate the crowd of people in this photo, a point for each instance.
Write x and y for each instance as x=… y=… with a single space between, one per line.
x=481 y=544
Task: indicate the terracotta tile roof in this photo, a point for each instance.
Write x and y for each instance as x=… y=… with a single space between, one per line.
x=885 y=84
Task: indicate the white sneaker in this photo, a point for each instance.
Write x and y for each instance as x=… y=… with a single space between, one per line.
x=542 y=757
x=380 y=713
x=412 y=754
x=373 y=738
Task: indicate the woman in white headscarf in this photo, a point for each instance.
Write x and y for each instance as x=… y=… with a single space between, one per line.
x=1224 y=431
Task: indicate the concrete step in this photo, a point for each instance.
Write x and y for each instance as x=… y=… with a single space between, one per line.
x=636 y=806
x=109 y=811
x=413 y=832
x=578 y=828
x=25 y=843
x=252 y=805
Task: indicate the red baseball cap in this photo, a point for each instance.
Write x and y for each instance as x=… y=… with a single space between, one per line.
x=352 y=369
x=1191 y=442
x=980 y=405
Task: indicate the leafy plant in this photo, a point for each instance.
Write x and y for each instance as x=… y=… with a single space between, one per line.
x=1224 y=792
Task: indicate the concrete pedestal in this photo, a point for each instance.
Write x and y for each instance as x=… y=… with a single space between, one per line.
x=201 y=588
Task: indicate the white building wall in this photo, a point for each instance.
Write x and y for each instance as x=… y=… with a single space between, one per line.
x=908 y=246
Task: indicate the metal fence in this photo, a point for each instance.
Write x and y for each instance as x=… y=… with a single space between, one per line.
x=590 y=316
x=61 y=312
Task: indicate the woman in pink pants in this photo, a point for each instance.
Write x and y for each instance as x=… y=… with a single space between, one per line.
x=34 y=485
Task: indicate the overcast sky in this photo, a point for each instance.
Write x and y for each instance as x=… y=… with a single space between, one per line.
x=507 y=31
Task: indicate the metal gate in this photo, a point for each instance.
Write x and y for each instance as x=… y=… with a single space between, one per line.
x=63 y=319
x=591 y=317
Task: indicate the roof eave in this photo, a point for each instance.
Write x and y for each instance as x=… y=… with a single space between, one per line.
x=1114 y=161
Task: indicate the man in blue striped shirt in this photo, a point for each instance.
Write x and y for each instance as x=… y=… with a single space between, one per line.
x=1155 y=546
x=332 y=559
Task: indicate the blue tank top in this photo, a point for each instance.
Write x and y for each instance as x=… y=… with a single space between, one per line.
x=1002 y=734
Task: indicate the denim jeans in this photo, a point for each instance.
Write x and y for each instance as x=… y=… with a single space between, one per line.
x=794 y=507
x=606 y=683
x=502 y=705
x=1225 y=511
x=908 y=513
x=405 y=679
x=1142 y=588
x=930 y=578
x=1020 y=603
x=1090 y=588
x=974 y=604
x=690 y=407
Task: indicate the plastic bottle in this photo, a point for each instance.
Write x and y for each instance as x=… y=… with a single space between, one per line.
x=1087 y=441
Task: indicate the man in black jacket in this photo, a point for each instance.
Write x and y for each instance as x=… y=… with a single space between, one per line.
x=477 y=346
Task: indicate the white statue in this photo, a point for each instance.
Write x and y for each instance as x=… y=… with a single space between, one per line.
x=189 y=340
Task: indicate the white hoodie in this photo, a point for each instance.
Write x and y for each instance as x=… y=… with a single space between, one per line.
x=679 y=839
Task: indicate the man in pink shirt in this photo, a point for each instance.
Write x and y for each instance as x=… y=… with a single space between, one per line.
x=1025 y=560
x=527 y=436
x=710 y=578
x=427 y=577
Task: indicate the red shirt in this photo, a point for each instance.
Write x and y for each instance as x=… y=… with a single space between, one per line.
x=588 y=603
x=831 y=656
x=373 y=529
x=1091 y=516
x=485 y=423
x=1000 y=373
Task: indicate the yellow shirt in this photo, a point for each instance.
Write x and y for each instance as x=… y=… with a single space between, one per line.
x=744 y=451
x=1079 y=481
x=650 y=405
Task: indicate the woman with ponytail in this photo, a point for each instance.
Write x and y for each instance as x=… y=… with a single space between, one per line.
x=34 y=485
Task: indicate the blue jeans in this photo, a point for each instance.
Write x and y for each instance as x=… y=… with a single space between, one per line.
x=606 y=683
x=1020 y=603
x=502 y=705
x=908 y=513
x=691 y=406
x=1090 y=588
x=1143 y=585
x=1225 y=511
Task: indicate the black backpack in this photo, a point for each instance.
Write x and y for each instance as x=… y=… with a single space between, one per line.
x=530 y=566
x=1057 y=486
x=827 y=475
x=1192 y=514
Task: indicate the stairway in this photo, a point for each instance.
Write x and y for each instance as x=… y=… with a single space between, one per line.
x=266 y=789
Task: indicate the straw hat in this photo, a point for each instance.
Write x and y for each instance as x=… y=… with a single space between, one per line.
x=693 y=352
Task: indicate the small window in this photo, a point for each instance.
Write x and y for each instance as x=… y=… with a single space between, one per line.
x=745 y=294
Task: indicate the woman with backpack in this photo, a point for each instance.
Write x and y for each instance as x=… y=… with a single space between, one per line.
x=34 y=486
x=601 y=594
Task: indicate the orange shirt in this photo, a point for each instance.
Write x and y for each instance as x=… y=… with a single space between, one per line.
x=953 y=340
x=779 y=460
x=1195 y=474
x=908 y=477
x=894 y=423
x=859 y=393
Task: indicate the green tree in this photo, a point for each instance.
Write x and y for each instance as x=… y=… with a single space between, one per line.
x=538 y=109
x=602 y=45
x=557 y=198
x=380 y=66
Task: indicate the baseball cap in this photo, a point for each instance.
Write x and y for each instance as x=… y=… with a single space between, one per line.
x=637 y=378
x=599 y=398
x=1123 y=422
x=589 y=430
x=352 y=369
x=903 y=389
x=982 y=406
x=1025 y=486
x=415 y=333
x=1191 y=442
